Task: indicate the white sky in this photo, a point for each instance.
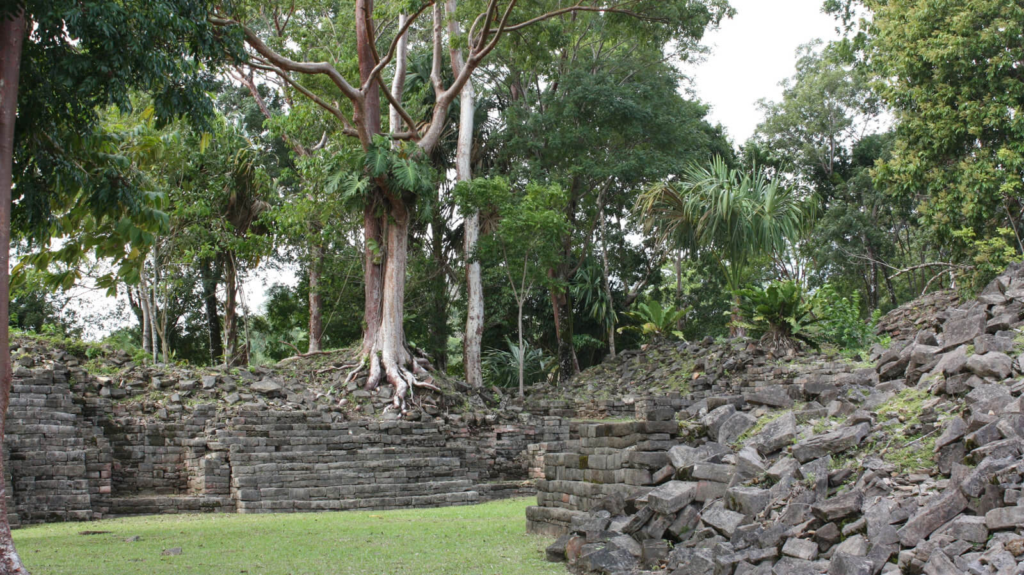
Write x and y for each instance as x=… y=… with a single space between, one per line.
x=751 y=54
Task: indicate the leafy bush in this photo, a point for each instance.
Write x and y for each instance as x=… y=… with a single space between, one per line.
x=655 y=321
x=840 y=321
x=779 y=314
x=501 y=368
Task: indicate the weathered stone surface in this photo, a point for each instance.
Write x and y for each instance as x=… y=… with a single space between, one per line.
x=801 y=549
x=940 y=510
x=747 y=500
x=1005 y=518
x=267 y=387
x=960 y=331
x=829 y=443
x=839 y=507
x=734 y=426
x=672 y=496
x=722 y=520
x=775 y=435
x=969 y=528
x=994 y=364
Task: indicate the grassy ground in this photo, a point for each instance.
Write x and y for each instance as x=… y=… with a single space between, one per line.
x=486 y=539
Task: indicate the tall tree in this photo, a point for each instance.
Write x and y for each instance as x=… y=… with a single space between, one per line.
x=83 y=54
x=392 y=177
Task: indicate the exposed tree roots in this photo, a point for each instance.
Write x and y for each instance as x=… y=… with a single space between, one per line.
x=404 y=374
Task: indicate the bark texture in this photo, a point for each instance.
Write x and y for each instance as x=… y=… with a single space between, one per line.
x=12 y=35
x=209 y=279
x=316 y=326
x=473 y=338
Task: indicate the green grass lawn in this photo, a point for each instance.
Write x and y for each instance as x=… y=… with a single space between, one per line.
x=488 y=539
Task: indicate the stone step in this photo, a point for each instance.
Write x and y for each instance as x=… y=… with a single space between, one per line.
x=366 y=503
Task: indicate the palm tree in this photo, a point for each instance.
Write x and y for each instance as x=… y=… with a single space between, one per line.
x=735 y=215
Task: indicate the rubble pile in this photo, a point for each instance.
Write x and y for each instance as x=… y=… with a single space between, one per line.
x=915 y=469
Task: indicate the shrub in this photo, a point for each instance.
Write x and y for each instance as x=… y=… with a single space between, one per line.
x=778 y=314
x=655 y=321
x=840 y=321
x=501 y=368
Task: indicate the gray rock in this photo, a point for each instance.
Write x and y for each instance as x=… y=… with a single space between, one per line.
x=839 y=507
x=775 y=435
x=773 y=396
x=749 y=463
x=1005 y=518
x=952 y=362
x=939 y=564
x=994 y=364
x=672 y=496
x=954 y=430
x=940 y=509
x=855 y=546
x=716 y=417
x=747 y=500
x=722 y=520
x=982 y=475
x=734 y=426
x=969 y=528
x=843 y=564
x=801 y=549
x=960 y=331
x=209 y=381
x=828 y=443
x=267 y=387
x=986 y=343
x=609 y=560
x=785 y=467
x=172 y=551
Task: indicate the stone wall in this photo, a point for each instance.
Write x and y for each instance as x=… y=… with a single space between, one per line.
x=607 y=459
x=71 y=458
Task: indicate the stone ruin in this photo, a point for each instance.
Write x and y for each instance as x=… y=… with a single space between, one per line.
x=913 y=466
x=722 y=460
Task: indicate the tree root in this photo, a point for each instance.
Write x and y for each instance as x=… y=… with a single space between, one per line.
x=402 y=378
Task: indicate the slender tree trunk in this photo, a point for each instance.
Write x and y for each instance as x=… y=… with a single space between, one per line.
x=209 y=280
x=398 y=83
x=439 y=329
x=562 y=308
x=607 y=285
x=316 y=327
x=12 y=35
x=230 y=311
x=147 y=316
x=473 y=338
x=522 y=359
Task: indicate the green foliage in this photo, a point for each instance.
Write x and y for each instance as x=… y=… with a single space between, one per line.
x=952 y=80
x=738 y=216
x=779 y=313
x=991 y=256
x=655 y=321
x=840 y=321
x=501 y=368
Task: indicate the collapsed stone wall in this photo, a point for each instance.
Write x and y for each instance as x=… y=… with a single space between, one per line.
x=70 y=457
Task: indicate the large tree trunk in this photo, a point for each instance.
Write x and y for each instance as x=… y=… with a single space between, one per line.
x=209 y=280
x=316 y=326
x=398 y=83
x=12 y=34
x=384 y=347
x=373 y=240
x=230 y=311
